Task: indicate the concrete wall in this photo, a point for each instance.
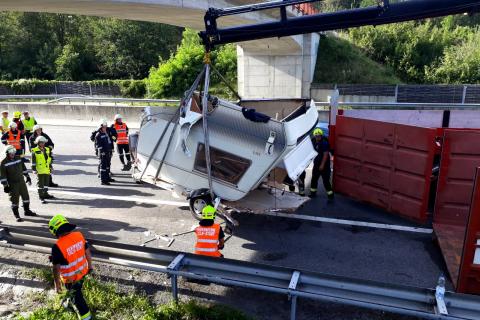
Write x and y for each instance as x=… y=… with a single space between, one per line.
x=422 y=118
x=80 y=114
x=287 y=73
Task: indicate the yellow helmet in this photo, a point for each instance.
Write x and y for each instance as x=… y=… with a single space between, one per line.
x=17 y=114
x=55 y=223
x=317 y=132
x=208 y=212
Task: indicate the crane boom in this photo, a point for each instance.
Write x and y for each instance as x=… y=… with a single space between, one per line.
x=383 y=13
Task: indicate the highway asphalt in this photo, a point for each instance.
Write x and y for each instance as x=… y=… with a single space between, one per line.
x=126 y=212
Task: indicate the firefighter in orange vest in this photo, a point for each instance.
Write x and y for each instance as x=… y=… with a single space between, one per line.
x=122 y=142
x=15 y=138
x=210 y=236
x=72 y=261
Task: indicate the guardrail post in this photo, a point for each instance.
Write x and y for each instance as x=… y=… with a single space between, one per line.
x=292 y=296
x=464 y=94
x=396 y=93
x=175 y=265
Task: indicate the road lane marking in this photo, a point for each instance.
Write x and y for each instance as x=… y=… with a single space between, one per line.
x=273 y=214
x=351 y=222
x=119 y=198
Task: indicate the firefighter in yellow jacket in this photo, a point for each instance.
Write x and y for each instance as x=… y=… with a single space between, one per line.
x=72 y=261
x=210 y=236
x=42 y=167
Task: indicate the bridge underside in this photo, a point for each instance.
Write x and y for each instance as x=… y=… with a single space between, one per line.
x=269 y=68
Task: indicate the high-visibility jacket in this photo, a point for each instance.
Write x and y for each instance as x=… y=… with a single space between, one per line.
x=15 y=139
x=28 y=124
x=5 y=123
x=39 y=162
x=122 y=133
x=72 y=246
x=207 y=240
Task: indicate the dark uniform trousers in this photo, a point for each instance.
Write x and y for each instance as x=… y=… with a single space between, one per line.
x=105 y=161
x=18 y=190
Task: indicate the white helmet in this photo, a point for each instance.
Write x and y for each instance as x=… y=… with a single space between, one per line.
x=36 y=127
x=10 y=149
x=118 y=116
x=12 y=125
x=4 y=111
x=103 y=122
x=41 y=139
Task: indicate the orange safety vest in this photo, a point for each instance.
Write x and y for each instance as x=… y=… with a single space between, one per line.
x=72 y=246
x=122 y=136
x=14 y=140
x=207 y=240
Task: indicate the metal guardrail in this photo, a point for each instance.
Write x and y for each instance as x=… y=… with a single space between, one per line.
x=397 y=105
x=51 y=99
x=424 y=303
x=113 y=100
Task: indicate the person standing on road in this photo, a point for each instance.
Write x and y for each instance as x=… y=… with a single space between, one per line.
x=72 y=261
x=122 y=142
x=12 y=174
x=210 y=236
x=321 y=166
x=42 y=167
x=104 y=143
x=38 y=132
x=17 y=115
x=15 y=138
x=5 y=122
x=28 y=123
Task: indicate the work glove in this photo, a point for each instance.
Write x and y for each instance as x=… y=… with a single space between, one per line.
x=28 y=180
x=6 y=189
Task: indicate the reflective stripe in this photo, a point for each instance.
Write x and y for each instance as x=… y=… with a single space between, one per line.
x=78 y=271
x=206 y=249
x=12 y=163
x=3 y=180
x=207 y=241
x=74 y=263
x=26 y=201
x=86 y=316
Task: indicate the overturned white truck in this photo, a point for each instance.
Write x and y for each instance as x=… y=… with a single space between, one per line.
x=250 y=152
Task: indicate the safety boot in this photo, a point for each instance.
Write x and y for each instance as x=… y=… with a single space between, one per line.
x=125 y=167
x=27 y=211
x=313 y=193
x=17 y=214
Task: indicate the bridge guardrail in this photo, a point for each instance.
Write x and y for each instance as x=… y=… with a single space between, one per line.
x=419 y=302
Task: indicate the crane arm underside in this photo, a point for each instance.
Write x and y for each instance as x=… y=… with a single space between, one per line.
x=383 y=13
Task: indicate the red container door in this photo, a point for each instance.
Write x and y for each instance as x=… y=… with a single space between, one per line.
x=460 y=158
x=385 y=164
x=469 y=278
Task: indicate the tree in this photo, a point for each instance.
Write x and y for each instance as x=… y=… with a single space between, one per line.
x=174 y=76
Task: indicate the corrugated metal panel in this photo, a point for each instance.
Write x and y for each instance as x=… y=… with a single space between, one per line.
x=460 y=158
x=469 y=281
x=385 y=164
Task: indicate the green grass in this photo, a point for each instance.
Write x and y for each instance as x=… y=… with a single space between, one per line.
x=108 y=302
x=339 y=61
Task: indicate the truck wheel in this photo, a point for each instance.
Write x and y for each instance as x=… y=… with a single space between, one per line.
x=196 y=206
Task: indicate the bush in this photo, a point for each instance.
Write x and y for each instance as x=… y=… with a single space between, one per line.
x=133 y=88
x=107 y=302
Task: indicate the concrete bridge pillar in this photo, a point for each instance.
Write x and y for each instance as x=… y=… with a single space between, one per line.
x=277 y=68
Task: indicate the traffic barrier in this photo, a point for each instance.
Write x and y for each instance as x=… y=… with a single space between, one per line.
x=423 y=303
